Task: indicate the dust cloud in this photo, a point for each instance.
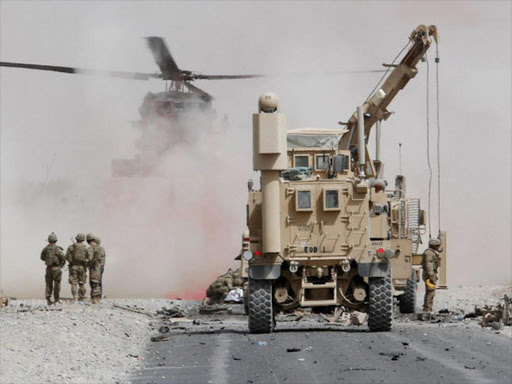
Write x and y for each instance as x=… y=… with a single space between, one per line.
x=172 y=235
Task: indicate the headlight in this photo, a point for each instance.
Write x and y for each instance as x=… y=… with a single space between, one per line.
x=247 y=255
x=389 y=253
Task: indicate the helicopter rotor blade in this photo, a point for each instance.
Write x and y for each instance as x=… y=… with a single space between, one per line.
x=198 y=76
x=225 y=77
x=82 y=71
x=163 y=57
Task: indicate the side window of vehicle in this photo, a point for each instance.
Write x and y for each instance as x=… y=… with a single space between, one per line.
x=321 y=162
x=303 y=200
x=331 y=200
x=301 y=161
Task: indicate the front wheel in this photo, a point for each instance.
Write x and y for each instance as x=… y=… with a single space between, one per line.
x=261 y=311
x=381 y=303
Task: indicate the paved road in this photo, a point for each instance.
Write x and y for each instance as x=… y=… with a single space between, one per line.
x=223 y=352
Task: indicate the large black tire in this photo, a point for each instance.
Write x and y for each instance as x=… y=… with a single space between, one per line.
x=261 y=311
x=381 y=303
x=408 y=298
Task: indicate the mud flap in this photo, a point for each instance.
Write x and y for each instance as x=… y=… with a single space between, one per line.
x=265 y=272
x=373 y=269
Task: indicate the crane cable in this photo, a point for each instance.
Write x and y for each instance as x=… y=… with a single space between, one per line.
x=438 y=144
x=428 y=150
x=387 y=70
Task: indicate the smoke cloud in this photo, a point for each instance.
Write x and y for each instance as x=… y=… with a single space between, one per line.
x=172 y=235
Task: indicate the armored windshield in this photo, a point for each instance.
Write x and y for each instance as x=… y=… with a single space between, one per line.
x=314 y=138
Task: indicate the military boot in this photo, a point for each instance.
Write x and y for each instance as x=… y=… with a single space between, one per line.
x=48 y=301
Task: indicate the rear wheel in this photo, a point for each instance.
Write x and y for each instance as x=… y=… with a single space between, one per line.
x=381 y=303
x=261 y=311
x=408 y=298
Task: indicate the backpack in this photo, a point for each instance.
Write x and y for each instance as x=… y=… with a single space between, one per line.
x=51 y=257
x=80 y=254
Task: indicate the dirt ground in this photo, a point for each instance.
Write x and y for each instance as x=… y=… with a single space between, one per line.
x=110 y=342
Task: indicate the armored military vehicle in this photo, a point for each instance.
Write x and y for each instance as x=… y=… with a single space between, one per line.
x=325 y=230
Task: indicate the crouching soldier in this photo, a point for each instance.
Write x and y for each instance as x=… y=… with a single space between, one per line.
x=96 y=260
x=219 y=289
x=431 y=262
x=78 y=259
x=53 y=256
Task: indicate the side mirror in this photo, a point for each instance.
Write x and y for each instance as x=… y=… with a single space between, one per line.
x=340 y=163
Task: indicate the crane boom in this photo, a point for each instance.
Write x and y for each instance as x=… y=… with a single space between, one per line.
x=375 y=108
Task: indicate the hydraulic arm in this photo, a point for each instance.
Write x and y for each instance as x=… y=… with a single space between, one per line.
x=375 y=108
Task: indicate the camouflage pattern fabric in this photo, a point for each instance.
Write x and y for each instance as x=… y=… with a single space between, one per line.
x=78 y=277
x=96 y=257
x=430 y=263
x=77 y=254
x=53 y=278
x=54 y=258
x=219 y=289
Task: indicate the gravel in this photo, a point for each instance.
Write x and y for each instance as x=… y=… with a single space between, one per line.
x=464 y=299
x=74 y=343
x=83 y=343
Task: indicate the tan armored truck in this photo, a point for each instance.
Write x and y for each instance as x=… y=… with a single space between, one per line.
x=325 y=230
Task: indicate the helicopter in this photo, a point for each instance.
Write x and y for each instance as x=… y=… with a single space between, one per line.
x=165 y=117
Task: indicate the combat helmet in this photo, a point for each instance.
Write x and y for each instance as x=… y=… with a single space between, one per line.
x=52 y=238
x=90 y=237
x=97 y=240
x=80 y=237
x=434 y=243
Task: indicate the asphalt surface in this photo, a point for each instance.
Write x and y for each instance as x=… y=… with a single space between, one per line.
x=220 y=350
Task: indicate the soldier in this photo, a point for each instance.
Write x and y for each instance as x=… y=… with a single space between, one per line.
x=431 y=262
x=218 y=291
x=53 y=256
x=103 y=260
x=96 y=257
x=89 y=238
x=78 y=259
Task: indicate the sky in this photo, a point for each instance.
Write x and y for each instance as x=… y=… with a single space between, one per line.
x=58 y=132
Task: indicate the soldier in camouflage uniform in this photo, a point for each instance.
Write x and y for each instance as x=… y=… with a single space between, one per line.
x=96 y=259
x=431 y=262
x=78 y=259
x=53 y=256
x=102 y=269
x=218 y=291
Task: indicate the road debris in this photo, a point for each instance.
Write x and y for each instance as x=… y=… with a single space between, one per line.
x=160 y=338
x=358 y=318
x=135 y=310
x=210 y=309
x=172 y=312
x=5 y=301
x=235 y=296
x=293 y=349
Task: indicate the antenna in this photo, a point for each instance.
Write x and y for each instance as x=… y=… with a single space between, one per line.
x=399 y=158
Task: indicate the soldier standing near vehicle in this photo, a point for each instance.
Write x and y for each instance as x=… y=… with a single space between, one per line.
x=96 y=258
x=53 y=256
x=78 y=259
x=431 y=262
